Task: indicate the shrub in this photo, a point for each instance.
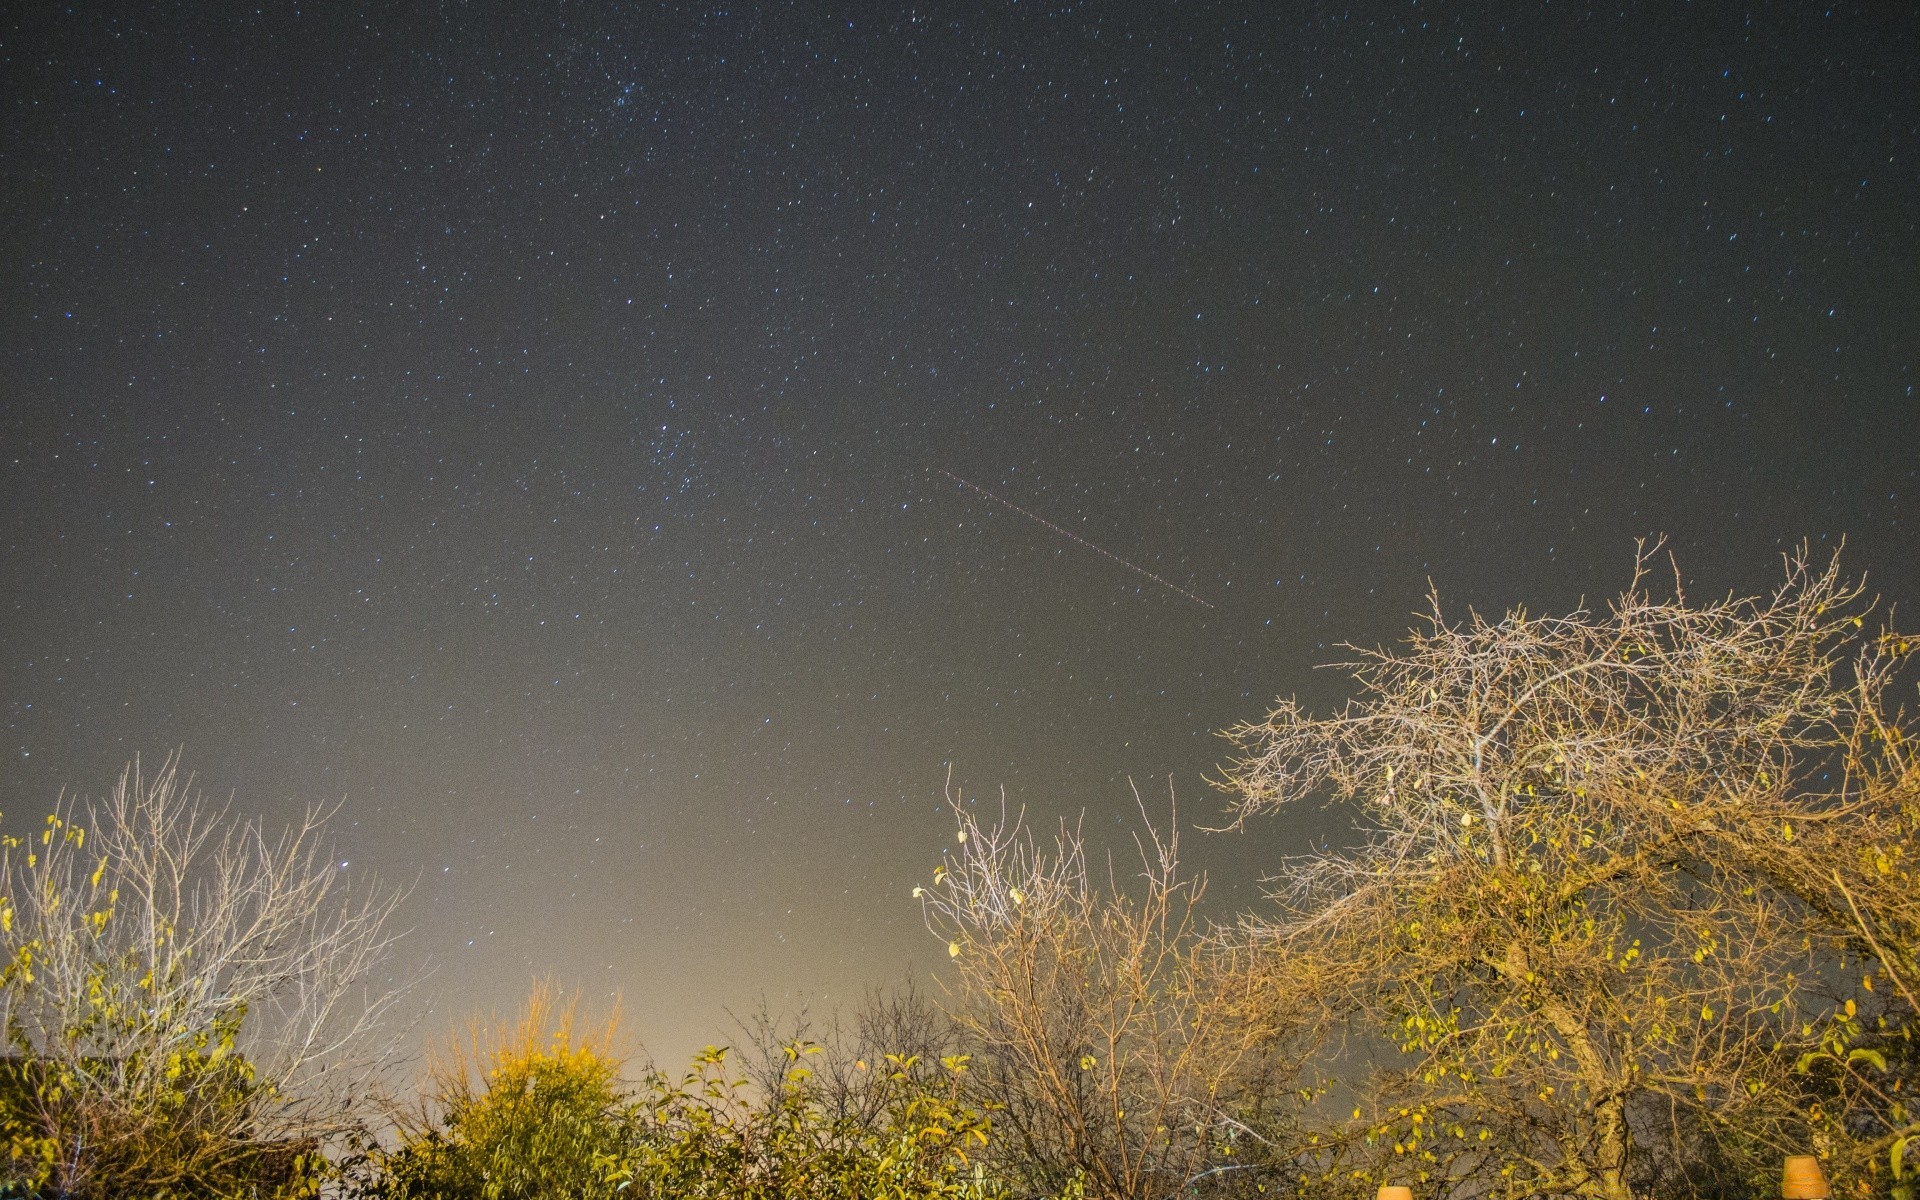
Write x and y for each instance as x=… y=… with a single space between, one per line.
x=537 y=1110
x=524 y=1111
x=713 y=1135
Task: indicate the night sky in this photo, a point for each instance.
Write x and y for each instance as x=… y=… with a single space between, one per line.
x=539 y=426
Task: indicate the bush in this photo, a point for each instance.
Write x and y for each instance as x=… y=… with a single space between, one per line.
x=537 y=1110
x=712 y=1135
x=518 y=1112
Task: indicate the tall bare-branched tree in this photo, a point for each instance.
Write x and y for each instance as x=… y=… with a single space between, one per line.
x=1124 y=1042
x=1600 y=893
x=187 y=998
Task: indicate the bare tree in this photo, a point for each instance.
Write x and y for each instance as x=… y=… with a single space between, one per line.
x=1586 y=901
x=858 y=1064
x=186 y=997
x=1121 y=1039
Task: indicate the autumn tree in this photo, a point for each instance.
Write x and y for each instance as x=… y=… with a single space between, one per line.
x=187 y=998
x=1857 y=875
x=1614 y=880
x=1123 y=1038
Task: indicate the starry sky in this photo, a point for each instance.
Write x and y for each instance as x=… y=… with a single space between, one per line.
x=625 y=452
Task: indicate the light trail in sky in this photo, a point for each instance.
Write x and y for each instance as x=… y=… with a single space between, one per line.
x=1074 y=537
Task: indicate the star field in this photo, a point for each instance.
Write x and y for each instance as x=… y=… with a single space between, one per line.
x=536 y=426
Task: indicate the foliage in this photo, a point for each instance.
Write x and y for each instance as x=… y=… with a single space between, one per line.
x=181 y=998
x=1859 y=877
x=540 y=1111
x=1590 y=907
x=1632 y=908
x=518 y=1111
x=1124 y=1040
x=711 y=1134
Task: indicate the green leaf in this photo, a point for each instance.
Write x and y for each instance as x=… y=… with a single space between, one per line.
x=1863 y=1054
x=1894 y=1156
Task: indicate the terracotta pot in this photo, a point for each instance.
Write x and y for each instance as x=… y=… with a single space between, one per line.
x=1802 y=1179
x=1393 y=1191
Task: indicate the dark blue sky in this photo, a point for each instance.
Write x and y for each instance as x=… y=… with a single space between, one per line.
x=528 y=423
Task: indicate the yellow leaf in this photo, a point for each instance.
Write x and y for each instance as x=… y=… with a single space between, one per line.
x=953 y=949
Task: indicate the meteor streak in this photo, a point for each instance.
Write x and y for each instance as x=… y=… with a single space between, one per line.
x=1074 y=537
